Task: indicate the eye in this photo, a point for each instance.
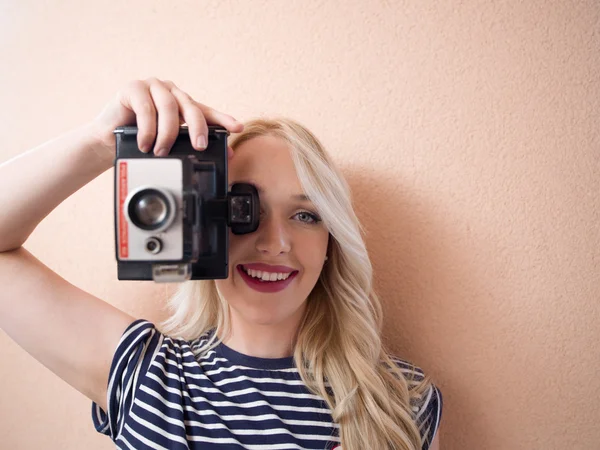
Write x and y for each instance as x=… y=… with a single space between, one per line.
x=307 y=217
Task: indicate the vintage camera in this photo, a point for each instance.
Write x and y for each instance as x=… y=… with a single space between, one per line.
x=173 y=213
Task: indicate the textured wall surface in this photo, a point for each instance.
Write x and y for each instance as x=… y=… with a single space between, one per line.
x=469 y=132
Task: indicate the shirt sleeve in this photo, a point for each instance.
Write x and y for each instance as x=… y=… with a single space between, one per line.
x=131 y=360
x=427 y=409
x=429 y=415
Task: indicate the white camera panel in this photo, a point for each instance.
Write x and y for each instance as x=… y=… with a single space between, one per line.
x=164 y=174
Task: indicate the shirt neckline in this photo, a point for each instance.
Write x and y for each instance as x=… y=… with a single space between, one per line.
x=254 y=362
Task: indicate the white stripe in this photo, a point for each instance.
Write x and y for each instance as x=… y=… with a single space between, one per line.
x=132 y=380
x=225 y=441
x=196 y=358
x=269 y=432
x=158 y=347
x=159 y=413
x=165 y=402
x=241 y=406
x=229 y=417
x=200 y=376
x=206 y=355
x=126 y=442
x=438 y=413
x=158 y=430
x=201 y=342
x=237 y=432
x=99 y=418
x=273 y=447
x=280 y=394
x=424 y=406
x=112 y=378
x=141 y=438
x=215 y=440
x=194 y=361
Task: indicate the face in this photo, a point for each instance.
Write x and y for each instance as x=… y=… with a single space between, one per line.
x=289 y=245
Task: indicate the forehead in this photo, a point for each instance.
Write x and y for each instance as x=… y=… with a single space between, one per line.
x=267 y=162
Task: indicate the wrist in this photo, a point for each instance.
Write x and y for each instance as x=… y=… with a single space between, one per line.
x=99 y=142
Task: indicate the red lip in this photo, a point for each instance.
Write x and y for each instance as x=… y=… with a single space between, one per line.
x=268 y=286
x=268 y=268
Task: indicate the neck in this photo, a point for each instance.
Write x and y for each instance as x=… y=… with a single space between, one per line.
x=264 y=340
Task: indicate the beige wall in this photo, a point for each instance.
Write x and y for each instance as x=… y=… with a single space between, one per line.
x=470 y=135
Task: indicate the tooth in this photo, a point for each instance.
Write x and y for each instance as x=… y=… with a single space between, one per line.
x=267 y=276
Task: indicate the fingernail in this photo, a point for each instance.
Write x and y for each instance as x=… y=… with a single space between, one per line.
x=201 y=142
x=161 y=152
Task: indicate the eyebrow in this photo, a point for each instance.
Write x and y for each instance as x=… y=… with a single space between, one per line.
x=298 y=197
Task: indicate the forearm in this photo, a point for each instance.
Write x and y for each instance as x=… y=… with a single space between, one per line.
x=34 y=183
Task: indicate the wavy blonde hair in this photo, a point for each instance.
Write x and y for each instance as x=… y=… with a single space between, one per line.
x=339 y=351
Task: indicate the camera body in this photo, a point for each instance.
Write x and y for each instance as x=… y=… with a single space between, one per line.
x=173 y=213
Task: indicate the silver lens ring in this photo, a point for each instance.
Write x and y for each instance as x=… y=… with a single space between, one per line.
x=150 y=208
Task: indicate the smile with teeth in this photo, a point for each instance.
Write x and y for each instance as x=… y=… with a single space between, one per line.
x=266 y=276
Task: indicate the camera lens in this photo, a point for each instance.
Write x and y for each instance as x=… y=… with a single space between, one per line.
x=153 y=245
x=149 y=209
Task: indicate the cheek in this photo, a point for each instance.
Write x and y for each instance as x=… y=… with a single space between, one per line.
x=312 y=257
x=314 y=262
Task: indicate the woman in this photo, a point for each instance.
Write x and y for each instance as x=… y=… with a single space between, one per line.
x=284 y=353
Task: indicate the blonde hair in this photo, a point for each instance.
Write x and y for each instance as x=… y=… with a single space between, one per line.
x=339 y=351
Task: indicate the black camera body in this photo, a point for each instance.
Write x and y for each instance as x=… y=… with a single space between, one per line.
x=173 y=213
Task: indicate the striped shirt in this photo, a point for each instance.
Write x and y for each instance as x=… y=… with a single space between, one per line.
x=163 y=394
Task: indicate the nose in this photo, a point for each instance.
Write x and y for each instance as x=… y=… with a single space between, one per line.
x=272 y=236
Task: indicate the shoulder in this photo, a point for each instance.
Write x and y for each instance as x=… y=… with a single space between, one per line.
x=426 y=406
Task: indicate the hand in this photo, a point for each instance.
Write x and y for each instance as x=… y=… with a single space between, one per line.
x=158 y=108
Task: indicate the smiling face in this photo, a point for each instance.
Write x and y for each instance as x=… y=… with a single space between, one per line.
x=289 y=245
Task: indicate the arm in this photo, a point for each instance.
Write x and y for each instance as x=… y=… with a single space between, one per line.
x=70 y=331
x=44 y=177
x=42 y=312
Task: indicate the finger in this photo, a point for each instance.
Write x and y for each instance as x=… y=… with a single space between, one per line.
x=193 y=117
x=168 y=117
x=229 y=153
x=214 y=117
x=136 y=97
